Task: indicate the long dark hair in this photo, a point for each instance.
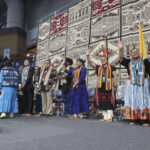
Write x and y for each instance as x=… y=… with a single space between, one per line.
x=8 y=63
x=81 y=61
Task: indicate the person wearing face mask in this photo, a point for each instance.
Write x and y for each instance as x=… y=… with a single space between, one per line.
x=106 y=85
x=137 y=95
x=78 y=95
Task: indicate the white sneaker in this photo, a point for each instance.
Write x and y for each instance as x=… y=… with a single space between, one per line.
x=11 y=115
x=81 y=116
x=3 y=115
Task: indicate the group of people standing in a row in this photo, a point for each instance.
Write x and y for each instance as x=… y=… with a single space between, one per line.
x=36 y=86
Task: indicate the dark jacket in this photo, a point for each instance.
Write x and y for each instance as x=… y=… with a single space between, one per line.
x=66 y=86
x=30 y=77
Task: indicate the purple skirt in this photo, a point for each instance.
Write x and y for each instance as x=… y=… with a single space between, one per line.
x=79 y=100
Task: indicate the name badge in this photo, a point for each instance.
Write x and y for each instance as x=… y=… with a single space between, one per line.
x=104 y=79
x=108 y=80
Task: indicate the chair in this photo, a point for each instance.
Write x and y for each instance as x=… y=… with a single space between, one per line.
x=92 y=99
x=119 y=103
x=58 y=103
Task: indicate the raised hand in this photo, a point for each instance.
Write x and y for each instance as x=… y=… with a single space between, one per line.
x=64 y=60
x=88 y=52
x=53 y=89
x=40 y=65
x=119 y=44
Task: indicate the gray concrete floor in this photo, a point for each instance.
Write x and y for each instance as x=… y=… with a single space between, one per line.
x=58 y=133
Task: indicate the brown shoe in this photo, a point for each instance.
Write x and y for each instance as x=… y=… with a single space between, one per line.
x=109 y=120
x=78 y=117
x=27 y=114
x=73 y=117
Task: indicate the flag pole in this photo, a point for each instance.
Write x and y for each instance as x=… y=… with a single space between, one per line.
x=143 y=51
x=106 y=46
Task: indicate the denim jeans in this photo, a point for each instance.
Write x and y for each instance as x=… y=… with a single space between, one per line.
x=38 y=103
x=66 y=99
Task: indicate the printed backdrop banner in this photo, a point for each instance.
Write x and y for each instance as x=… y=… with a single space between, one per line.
x=44 y=29
x=57 y=60
x=125 y=2
x=78 y=35
x=79 y=13
x=108 y=23
x=133 y=14
x=40 y=63
x=97 y=51
x=76 y=53
x=132 y=41
x=84 y=25
x=42 y=50
x=58 y=42
x=59 y=23
x=101 y=6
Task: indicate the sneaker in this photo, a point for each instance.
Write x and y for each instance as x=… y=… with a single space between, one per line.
x=11 y=115
x=3 y=115
x=145 y=125
x=81 y=116
x=73 y=117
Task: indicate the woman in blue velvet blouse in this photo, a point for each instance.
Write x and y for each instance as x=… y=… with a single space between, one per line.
x=78 y=94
